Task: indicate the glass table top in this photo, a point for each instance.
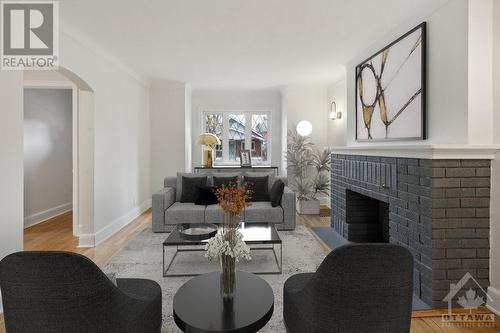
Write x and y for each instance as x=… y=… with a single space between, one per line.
x=253 y=233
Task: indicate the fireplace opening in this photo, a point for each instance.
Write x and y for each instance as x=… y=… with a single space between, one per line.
x=367 y=218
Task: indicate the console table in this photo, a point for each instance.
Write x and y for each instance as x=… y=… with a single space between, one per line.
x=236 y=168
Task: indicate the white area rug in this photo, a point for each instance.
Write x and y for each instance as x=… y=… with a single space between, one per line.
x=142 y=258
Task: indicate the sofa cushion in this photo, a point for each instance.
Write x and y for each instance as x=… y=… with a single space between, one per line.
x=219 y=181
x=205 y=195
x=185 y=212
x=221 y=174
x=189 y=187
x=214 y=214
x=178 y=187
x=263 y=212
x=276 y=193
x=271 y=175
x=259 y=188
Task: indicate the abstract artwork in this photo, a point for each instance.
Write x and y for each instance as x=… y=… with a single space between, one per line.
x=390 y=91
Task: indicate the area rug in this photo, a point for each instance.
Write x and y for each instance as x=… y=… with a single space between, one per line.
x=142 y=258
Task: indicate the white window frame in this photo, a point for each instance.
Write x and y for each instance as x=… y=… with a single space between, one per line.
x=225 y=112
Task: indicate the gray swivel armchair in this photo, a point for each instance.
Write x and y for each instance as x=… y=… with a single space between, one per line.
x=49 y=292
x=358 y=288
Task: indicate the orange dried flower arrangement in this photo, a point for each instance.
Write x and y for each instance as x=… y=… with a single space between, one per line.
x=233 y=198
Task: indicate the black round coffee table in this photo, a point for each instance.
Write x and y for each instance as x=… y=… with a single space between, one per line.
x=198 y=306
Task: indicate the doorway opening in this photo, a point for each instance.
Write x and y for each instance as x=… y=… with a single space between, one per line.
x=58 y=161
x=48 y=165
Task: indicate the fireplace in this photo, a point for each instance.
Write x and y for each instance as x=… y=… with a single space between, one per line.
x=367 y=218
x=437 y=208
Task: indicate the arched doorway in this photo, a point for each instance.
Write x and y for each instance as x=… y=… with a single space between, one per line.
x=82 y=142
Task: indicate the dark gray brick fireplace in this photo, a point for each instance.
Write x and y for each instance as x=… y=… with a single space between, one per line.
x=438 y=209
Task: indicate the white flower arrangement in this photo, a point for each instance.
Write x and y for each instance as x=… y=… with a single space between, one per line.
x=219 y=245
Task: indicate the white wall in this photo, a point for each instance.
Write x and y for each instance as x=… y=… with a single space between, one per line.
x=337 y=129
x=447 y=106
x=239 y=100
x=122 y=142
x=11 y=163
x=480 y=74
x=308 y=102
x=496 y=70
x=47 y=153
x=494 y=290
x=168 y=130
x=188 y=133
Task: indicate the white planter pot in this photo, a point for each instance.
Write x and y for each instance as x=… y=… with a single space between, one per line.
x=309 y=207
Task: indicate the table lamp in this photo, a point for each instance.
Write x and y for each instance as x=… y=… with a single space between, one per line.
x=208 y=141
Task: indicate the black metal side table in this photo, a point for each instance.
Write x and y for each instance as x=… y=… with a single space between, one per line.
x=198 y=306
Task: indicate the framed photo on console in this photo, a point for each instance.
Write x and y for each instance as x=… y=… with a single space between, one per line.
x=391 y=90
x=245 y=158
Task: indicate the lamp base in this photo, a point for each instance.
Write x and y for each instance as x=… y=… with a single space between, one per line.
x=207 y=158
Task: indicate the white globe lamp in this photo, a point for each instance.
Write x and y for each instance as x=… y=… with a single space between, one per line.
x=304 y=128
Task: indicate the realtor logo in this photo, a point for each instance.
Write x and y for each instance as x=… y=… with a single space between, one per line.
x=29 y=35
x=469 y=295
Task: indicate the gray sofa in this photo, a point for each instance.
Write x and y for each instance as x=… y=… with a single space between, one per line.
x=168 y=211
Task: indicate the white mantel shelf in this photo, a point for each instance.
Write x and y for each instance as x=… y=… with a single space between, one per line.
x=436 y=152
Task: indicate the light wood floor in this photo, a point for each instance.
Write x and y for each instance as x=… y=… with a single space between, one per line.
x=56 y=234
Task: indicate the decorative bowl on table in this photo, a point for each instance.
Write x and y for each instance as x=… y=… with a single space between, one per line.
x=197 y=231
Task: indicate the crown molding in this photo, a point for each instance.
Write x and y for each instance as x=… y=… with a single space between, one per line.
x=422 y=151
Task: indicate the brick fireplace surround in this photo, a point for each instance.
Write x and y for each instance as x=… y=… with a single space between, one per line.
x=437 y=208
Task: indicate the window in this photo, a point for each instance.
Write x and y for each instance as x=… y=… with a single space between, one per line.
x=260 y=137
x=236 y=137
x=238 y=130
x=213 y=124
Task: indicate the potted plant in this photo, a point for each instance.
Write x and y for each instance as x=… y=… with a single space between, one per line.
x=309 y=171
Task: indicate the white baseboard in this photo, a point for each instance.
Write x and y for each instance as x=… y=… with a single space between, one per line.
x=91 y=240
x=86 y=240
x=493 y=300
x=40 y=217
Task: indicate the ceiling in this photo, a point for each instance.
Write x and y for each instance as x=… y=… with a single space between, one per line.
x=236 y=43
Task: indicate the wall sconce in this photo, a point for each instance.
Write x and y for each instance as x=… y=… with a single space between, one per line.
x=333 y=112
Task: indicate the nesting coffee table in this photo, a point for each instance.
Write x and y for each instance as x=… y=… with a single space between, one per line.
x=259 y=236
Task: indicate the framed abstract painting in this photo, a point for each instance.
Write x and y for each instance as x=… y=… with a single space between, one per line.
x=391 y=91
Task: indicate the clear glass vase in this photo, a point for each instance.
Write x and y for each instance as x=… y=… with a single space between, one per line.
x=227 y=277
x=227 y=262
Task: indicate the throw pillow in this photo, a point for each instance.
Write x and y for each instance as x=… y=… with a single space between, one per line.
x=189 y=184
x=178 y=182
x=259 y=187
x=205 y=196
x=276 y=193
x=219 y=181
x=270 y=174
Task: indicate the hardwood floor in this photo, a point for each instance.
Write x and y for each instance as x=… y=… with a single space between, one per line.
x=56 y=234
